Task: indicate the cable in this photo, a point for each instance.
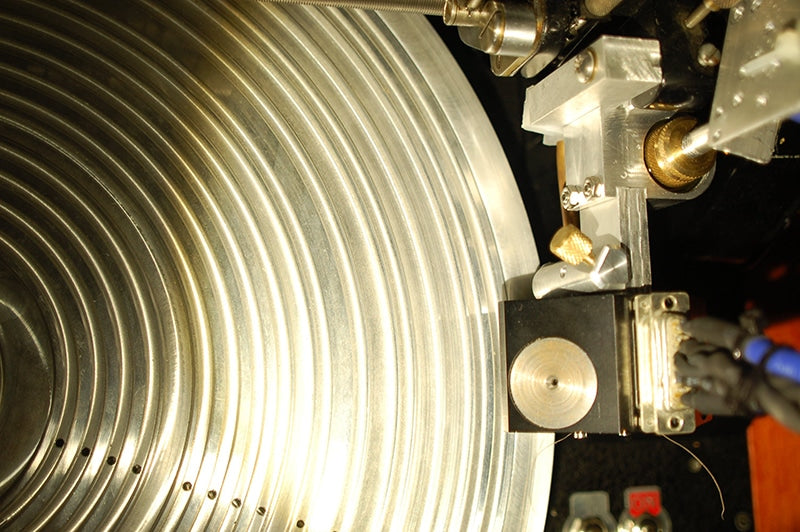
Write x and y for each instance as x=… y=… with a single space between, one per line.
x=781 y=360
x=730 y=371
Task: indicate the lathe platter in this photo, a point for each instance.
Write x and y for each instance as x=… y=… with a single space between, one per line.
x=267 y=246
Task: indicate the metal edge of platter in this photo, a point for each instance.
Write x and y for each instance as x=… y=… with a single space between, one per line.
x=257 y=252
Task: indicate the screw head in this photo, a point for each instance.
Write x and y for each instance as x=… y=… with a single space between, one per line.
x=565 y=198
x=585 y=66
x=576 y=25
x=589 y=188
x=708 y=55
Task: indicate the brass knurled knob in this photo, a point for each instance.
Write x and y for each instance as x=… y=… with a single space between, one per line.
x=572 y=246
x=666 y=161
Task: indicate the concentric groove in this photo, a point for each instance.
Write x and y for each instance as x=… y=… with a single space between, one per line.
x=267 y=244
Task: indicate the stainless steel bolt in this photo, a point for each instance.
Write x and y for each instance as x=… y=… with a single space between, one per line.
x=576 y=25
x=565 y=197
x=737 y=13
x=589 y=188
x=708 y=55
x=585 y=66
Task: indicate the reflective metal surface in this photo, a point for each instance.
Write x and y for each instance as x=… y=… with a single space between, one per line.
x=758 y=76
x=657 y=321
x=267 y=245
x=553 y=383
x=424 y=7
x=609 y=272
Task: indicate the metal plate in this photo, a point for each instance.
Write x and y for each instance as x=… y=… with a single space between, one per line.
x=749 y=102
x=553 y=383
x=268 y=245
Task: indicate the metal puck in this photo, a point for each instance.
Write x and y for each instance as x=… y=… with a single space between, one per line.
x=553 y=383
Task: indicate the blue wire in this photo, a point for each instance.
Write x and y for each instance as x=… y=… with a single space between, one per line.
x=784 y=361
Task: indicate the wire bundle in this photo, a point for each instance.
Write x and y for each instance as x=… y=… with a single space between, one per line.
x=733 y=372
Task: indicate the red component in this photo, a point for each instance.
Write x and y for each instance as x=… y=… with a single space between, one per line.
x=701 y=419
x=645 y=501
x=774 y=463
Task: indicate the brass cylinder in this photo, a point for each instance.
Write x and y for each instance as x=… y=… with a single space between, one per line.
x=669 y=162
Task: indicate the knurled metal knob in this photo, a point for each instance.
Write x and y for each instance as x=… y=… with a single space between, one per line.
x=572 y=246
x=666 y=159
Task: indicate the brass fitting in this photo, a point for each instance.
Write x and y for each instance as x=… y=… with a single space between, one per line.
x=669 y=162
x=572 y=246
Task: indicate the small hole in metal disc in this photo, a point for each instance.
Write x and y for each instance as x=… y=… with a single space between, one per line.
x=111 y=460
x=236 y=503
x=301 y=523
x=212 y=494
x=86 y=451
x=187 y=486
x=60 y=442
x=136 y=469
x=261 y=510
x=669 y=303
x=675 y=423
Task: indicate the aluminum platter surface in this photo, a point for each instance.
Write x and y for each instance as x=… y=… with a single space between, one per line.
x=250 y=261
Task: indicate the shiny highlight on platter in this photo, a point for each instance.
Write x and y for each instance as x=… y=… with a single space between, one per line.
x=252 y=256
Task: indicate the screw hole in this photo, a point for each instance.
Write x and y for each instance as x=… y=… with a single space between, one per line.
x=136 y=469
x=86 y=451
x=212 y=494
x=301 y=523
x=675 y=423
x=60 y=442
x=669 y=303
x=236 y=502
x=187 y=486
x=111 y=460
x=261 y=510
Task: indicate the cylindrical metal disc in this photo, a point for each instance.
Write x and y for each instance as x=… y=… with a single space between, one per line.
x=267 y=244
x=553 y=383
